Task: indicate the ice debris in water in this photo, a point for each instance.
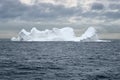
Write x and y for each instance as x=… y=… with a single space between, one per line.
x=64 y=34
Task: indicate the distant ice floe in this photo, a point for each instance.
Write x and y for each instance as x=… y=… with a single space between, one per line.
x=64 y=34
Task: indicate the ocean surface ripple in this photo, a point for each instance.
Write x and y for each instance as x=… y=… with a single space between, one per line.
x=59 y=60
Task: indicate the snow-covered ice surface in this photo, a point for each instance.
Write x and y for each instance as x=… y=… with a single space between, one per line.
x=64 y=34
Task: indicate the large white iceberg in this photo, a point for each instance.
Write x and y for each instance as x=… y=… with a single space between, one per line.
x=64 y=34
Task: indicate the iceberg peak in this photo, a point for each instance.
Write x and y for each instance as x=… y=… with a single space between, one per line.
x=22 y=31
x=34 y=29
x=90 y=35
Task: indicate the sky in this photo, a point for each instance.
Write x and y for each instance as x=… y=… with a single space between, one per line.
x=104 y=15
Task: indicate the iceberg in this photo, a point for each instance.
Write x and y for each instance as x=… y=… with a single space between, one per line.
x=63 y=34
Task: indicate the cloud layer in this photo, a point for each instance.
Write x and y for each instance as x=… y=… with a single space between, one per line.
x=59 y=9
x=104 y=14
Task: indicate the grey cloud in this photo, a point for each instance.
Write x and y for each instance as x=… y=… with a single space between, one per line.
x=112 y=15
x=114 y=0
x=111 y=29
x=13 y=9
x=91 y=14
x=114 y=6
x=40 y=12
x=97 y=6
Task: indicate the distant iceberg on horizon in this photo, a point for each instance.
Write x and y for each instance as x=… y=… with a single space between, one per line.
x=63 y=34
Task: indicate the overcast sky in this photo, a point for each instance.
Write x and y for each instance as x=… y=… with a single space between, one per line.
x=104 y=15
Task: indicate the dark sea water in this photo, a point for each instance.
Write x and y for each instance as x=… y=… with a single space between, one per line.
x=59 y=60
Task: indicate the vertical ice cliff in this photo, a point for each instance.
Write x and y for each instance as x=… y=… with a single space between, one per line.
x=64 y=34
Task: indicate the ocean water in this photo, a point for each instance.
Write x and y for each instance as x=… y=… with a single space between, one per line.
x=59 y=60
